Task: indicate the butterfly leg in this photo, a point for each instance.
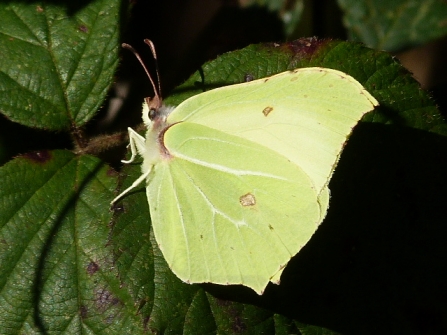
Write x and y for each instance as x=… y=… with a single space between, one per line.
x=134 y=184
x=136 y=143
x=137 y=146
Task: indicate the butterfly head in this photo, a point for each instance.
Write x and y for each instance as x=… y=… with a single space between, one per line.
x=153 y=109
x=155 y=112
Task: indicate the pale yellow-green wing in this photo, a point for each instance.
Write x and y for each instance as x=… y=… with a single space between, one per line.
x=227 y=210
x=243 y=184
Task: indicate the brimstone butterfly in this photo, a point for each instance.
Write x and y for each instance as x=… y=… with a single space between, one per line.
x=237 y=177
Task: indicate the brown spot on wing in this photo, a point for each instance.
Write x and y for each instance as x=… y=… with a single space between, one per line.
x=247 y=200
x=267 y=110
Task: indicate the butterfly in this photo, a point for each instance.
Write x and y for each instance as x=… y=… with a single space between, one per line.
x=237 y=177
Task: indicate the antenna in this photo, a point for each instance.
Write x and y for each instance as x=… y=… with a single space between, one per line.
x=157 y=90
x=154 y=54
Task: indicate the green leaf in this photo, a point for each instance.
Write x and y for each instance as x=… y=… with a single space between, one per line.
x=56 y=67
x=394 y=25
x=57 y=272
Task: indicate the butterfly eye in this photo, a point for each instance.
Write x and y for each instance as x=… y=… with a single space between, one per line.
x=152 y=114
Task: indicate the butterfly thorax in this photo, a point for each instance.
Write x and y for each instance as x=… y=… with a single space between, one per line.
x=155 y=119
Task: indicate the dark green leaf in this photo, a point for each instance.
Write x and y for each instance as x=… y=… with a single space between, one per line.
x=394 y=25
x=55 y=67
x=57 y=272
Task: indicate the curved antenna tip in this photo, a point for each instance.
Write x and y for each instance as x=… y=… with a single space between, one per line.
x=157 y=89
